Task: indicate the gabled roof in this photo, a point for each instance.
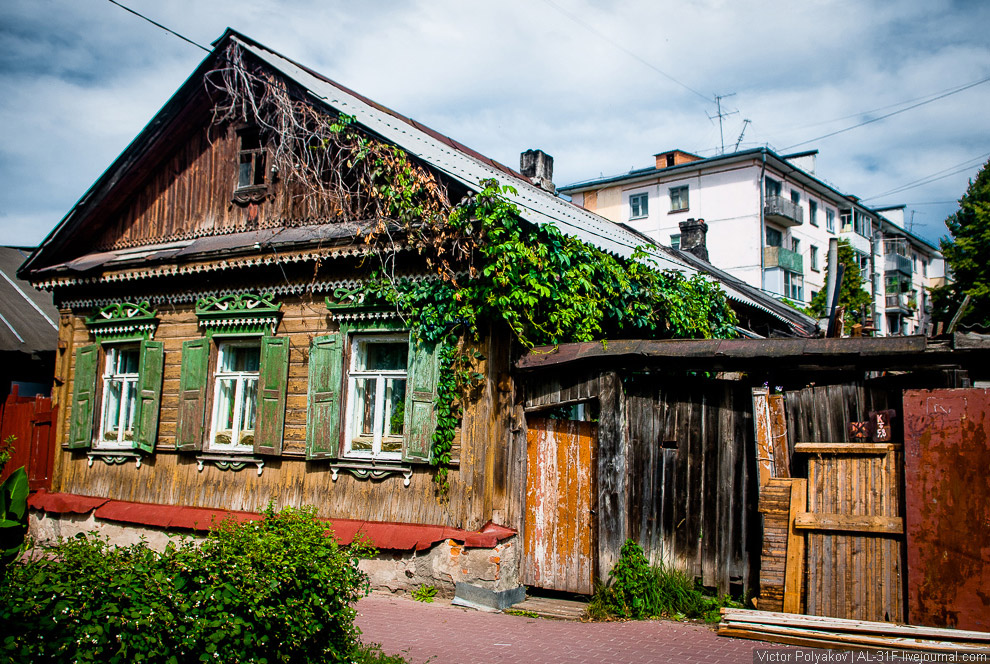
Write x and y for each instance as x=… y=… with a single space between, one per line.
x=28 y=319
x=439 y=152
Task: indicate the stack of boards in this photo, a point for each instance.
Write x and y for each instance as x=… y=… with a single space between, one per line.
x=824 y=632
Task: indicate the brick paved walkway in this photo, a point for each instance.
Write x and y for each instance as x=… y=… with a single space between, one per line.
x=446 y=633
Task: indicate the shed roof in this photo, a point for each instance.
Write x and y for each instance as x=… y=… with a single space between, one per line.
x=27 y=316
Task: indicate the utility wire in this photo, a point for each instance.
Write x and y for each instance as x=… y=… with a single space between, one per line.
x=953 y=89
x=625 y=50
x=884 y=117
x=933 y=177
x=156 y=23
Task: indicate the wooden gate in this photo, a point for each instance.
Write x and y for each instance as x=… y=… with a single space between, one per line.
x=855 y=531
x=559 y=542
x=31 y=421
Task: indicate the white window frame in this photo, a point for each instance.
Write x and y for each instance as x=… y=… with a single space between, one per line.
x=129 y=387
x=241 y=379
x=381 y=404
x=829 y=220
x=813 y=212
x=813 y=259
x=793 y=286
x=640 y=209
x=683 y=200
x=675 y=241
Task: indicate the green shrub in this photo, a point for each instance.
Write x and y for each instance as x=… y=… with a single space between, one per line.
x=636 y=589
x=424 y=593
x=273 y=590
x=13 y=518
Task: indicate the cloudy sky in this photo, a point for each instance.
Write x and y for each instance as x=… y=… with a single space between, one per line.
x=601 y=86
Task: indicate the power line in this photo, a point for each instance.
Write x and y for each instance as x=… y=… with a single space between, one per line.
x=933 y=177
x=874 y=110
x=884 y=117
x=157 y=24
x=625 y=50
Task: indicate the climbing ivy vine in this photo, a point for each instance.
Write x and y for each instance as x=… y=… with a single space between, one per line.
x=548 y=289
x=493 y=268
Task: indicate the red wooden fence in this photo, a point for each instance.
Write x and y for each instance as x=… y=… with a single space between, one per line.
x=31 y=420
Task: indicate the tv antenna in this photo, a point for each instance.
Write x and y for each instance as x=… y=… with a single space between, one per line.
x=722 y=114
x=739 y=140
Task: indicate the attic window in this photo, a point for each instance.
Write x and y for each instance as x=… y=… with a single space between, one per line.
x=251 y=174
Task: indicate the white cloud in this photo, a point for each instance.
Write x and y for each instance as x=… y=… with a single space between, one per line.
x=81 y=79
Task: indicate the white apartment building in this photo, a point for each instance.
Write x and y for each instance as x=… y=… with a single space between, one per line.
x=769 y=222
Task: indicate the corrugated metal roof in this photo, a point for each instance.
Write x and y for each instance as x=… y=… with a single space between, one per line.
x=28 y=319
x=535 y=205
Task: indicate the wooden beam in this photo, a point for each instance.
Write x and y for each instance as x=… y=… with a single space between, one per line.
x=794 y=568
x=845 y=448
x=892 y=525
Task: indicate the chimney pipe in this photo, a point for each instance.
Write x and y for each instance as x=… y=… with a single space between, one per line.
x=694 y=237
x=537 y=165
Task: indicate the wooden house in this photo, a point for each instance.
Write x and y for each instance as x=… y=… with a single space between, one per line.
x=211 y=359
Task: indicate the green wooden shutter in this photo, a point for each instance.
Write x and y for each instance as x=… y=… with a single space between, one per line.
x=421 y=395
x=326 y=359
x=149 y=394
x=272 y=377
x=192 y=395
x=83 y=396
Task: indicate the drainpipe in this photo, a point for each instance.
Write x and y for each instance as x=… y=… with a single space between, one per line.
x=873 y=271
x=763 y=229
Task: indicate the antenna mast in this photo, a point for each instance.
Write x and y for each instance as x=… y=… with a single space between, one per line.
x=722 y=114
x=739 y=140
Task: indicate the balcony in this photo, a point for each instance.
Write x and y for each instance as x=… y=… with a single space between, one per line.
x=783 y=211
x=899 y=303
x=783 y=258
x=897 y=263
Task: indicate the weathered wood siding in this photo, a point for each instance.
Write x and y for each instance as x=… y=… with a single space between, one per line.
x=479 y=485
x=691 y=469
x=189 y=194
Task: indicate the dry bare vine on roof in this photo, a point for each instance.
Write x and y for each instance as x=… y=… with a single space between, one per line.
x=340 y=171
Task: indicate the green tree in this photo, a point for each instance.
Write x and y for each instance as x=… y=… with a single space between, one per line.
x=852 y=295
x=966 y=256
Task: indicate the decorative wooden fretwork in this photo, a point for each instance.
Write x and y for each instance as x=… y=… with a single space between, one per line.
x=239 y=313
x=364 y=471
x=114 y=457
x=348 y=305
x=122 y=321
x=229 y=462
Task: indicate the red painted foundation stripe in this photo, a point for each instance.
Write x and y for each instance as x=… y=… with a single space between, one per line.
x=383 y=535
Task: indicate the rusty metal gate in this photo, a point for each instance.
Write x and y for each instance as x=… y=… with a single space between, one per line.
x=559 y=541
x=855 y=531
x=947 y=492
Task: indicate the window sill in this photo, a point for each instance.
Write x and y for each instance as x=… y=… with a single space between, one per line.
x=232 y=462
x=114 y=457
x=254 y=193
x=371 y=469
x=642 y=216
x=679 y=210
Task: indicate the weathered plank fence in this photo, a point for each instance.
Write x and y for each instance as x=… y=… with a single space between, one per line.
x=30 y=421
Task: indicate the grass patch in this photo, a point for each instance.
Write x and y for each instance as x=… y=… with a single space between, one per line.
x=638 y=590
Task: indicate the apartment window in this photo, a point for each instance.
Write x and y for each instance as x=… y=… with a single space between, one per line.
x=675 y=241
x=120 y=381
x=678 y=199
x=774 y=237
x=924 y=268
x=772 y=187
x=845 y=217
x=830 y=220
x=814 y=258
x=914 y=262
x=795 y=245
x=813 y=212
x=639 y=206
x=793 y=286
x=251 y=159
x=235 y=396
x=863 y=225
x=795 y=197
x=376 y=395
